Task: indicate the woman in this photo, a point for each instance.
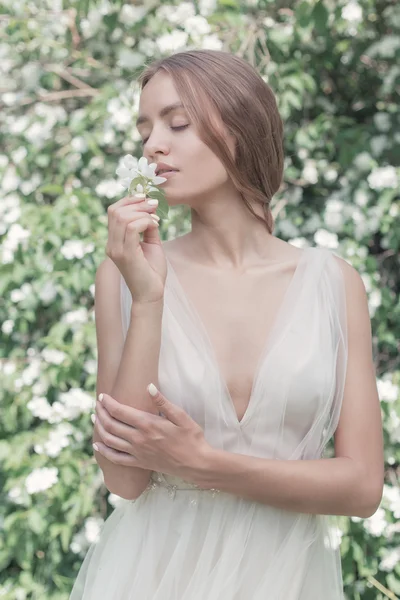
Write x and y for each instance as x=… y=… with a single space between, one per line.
x=258 y=353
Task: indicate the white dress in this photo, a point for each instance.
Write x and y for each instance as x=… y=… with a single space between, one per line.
x=176 y=542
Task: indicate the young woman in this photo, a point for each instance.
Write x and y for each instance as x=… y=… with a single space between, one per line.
x=261 y=352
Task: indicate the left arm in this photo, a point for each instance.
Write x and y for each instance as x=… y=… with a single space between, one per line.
x=351 y=483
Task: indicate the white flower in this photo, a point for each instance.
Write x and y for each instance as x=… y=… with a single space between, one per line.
x=172 y=42
x=7 y=326
x=131 y=167
x=310 y=172
x=176 y=14
x=391 y=495
x=352 y=12
x=390 y=560
x=76 y=402
x=324 y=238
x=383 y=177
x=41 y=479
x=16 y=495
x=207 y=7
x=334 y=213
x=93 y=527
x=197 y=26
x=388 y=391
x=376 y=524
x=48 y=292
x=53 y=356
x=76 y=317
x=58 y=439
x=40 y=408
x=76 y=249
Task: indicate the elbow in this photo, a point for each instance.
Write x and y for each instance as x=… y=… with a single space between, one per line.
x=369 y=502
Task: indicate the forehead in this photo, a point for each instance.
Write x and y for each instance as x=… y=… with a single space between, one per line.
x=158 y=93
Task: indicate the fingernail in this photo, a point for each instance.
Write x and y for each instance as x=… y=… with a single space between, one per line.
x=152 y=202
x=100 y=397
x=140 y=195
x=93 y=417
x=155 y=217
x=95 y=446
x=152 y=389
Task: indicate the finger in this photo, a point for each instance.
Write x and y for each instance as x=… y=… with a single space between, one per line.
x=112 y=440
x=116 y=457
x=118 y=220
x=140 y=419
x=149 y=228
x=173 y=413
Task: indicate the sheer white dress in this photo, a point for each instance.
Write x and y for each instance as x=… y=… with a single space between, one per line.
x=176 y=542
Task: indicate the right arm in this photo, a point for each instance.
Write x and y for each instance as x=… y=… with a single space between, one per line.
x=125 y=368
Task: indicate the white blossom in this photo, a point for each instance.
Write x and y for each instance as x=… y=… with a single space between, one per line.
x=76 y=317
x=352 y=12
x=53 y=356
x=334 y=213
x=130 y=168
x=41 y=479
x=310 y=173
x=197 y=26
x=388 y=391
x=76 y=249
x=207 y=7
x=391 y=495
x=16 y=235
x=47 y=292
x=58 y=439
x=390 y=559
x=376 y=524
x=176 y=14
x=172 y=42
x=383 y=177
x=7 y=326
x=40 y=407
x=326 y=239
x=16 y=495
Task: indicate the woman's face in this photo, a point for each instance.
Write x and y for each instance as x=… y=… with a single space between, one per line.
x=171 y=138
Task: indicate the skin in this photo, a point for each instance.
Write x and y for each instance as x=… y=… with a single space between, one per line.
x=228 y=248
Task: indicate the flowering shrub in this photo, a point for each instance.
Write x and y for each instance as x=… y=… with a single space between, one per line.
x=67 y=117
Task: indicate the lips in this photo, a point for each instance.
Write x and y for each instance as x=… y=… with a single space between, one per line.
x=164 y=168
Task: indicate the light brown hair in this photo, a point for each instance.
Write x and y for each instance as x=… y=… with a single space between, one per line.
x=215 y=85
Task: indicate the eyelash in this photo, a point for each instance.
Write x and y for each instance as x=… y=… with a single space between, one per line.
x=179 y=128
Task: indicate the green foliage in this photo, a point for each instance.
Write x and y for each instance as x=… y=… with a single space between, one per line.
x=67 y=117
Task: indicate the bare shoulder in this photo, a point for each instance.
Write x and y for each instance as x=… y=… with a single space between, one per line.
x=358 y=318
x=353 y=281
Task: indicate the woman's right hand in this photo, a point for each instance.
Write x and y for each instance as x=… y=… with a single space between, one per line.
x=142 y=263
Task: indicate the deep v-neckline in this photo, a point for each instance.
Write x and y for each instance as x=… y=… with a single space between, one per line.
x=199 y=323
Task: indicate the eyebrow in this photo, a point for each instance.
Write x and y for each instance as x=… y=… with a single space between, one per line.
x=163 y=112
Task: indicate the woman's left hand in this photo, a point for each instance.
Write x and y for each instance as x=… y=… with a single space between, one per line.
x=173 y=444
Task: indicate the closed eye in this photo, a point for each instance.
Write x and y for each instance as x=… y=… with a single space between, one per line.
x=179 y=128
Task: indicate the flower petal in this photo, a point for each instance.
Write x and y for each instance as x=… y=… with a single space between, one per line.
x=157 y=180
x=125 y=182
x=129 y=161
x=123 y=172
x=139 y=188
x=142 y=164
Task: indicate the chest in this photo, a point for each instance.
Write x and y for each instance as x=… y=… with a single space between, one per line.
x=236 y=313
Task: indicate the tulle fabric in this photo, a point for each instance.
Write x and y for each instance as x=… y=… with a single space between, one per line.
x=176 y=542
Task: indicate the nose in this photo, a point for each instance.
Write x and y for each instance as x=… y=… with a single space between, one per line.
x=156 y=144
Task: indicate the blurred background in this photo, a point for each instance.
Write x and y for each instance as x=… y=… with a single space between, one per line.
x=68 y=103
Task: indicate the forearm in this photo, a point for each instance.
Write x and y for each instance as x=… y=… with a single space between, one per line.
x=138 y=367
x=333 y=486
